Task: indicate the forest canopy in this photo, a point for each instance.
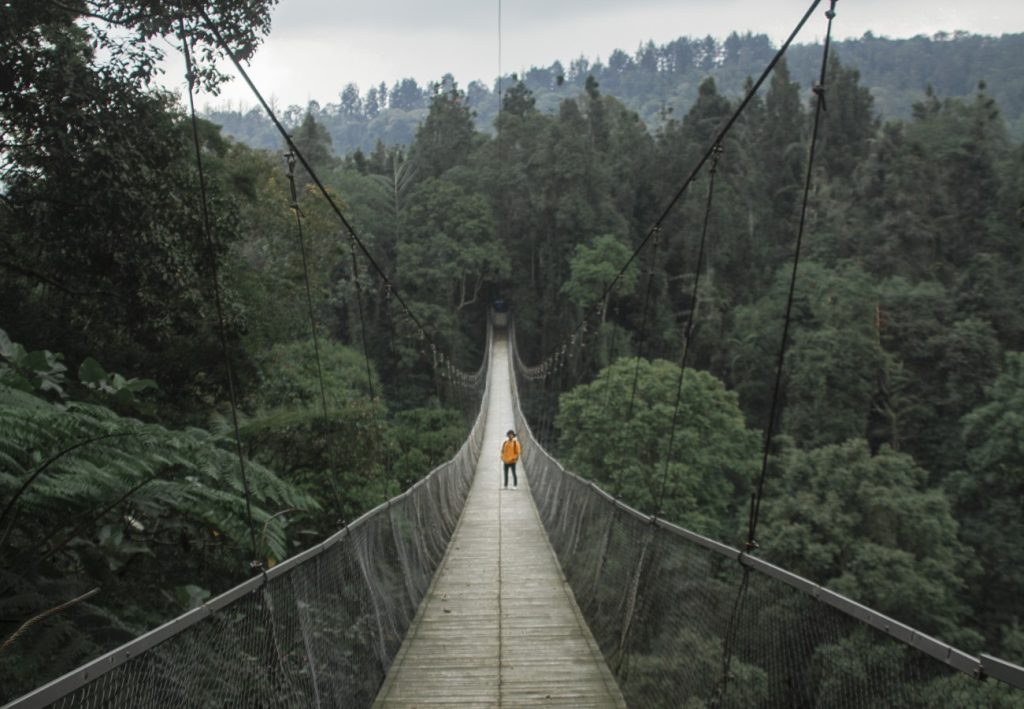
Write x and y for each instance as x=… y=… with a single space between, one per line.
x=658 y=82
x=898 y=475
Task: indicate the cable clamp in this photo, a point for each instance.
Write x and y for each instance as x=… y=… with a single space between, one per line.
x=290 y=158
x=819 y=91
x=716 y=153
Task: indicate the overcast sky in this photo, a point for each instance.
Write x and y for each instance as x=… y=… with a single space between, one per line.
x=317 y=46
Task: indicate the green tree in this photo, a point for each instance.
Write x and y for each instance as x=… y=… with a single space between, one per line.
x=897 y=212
x=594 y=267
x=963 y=139
x=153 y=517
x=942 y=364
x=870 y=528
x=988 y=288
x=314 y=142
x=290 y=377
x=594 y=282
x=518 y=101
x=446 y=137
x=689 y=138
x=568 y=186
x=781 y=144
x=714 y=456
x=596 y=116
x=849 y=122
x=834 y=362
x=424 y=437
x=448 y=252
x=989 y=498
x=102 y=241
x=405 y=95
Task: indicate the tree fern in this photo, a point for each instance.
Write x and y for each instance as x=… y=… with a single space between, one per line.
x=90 y=498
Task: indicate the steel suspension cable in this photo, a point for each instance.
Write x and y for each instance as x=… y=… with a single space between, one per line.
x=612 y=348
x=643 y=322
x=819 y=92
x=498 y=113
x=222 y=324
x=688 y=330
x=732 y=629
x=312 y=174
x=362 y=318
x=290 y=158
x=755 y=506
x=708 y=154
x=718 y=140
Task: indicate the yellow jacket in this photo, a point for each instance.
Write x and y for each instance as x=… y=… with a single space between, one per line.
x=510 y=450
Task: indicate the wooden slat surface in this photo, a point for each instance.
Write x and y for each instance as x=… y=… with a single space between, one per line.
x=499 y=626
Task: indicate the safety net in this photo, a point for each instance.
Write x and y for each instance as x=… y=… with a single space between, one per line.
x=685 y=621
x=319 y=629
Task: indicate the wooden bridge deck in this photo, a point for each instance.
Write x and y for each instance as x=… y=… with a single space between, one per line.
x=499 y=626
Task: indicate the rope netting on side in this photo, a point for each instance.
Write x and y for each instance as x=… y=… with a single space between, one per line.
x=539 y=397
x=460 y=388
x=319 y=629
x=685 y=621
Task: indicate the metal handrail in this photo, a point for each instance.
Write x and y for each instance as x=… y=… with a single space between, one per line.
x=977 y=667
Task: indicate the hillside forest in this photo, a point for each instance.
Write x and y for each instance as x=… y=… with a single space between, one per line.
x=897 y=474
x=661 y=81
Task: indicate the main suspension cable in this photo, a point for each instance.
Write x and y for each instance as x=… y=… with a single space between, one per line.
x=688 y=330
x=819 y=92
x=718 y=140
x=222 y=325
x=708 y=155
x=643 y=322
x=339 y=506
x=290 y=158
x=313 y=176
x=362 y=318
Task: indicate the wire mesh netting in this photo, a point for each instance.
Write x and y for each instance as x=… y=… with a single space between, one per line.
x=320 y=629
x=683 y=623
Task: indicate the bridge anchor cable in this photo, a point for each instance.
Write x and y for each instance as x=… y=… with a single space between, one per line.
x=819 y=108
x=221 y=321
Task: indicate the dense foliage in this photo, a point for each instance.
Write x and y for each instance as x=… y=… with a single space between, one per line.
x=122 y=499
x=713 y=454
x=906 y=309
x=659 y=81
x=897 y=478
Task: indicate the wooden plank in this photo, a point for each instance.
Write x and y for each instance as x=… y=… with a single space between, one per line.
x=499 y=625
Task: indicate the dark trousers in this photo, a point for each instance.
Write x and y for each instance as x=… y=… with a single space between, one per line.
x=512 y=467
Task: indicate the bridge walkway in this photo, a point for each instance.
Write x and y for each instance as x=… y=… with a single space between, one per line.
x=499 y=625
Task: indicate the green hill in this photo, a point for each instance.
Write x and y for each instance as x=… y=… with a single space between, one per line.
x=661 y=80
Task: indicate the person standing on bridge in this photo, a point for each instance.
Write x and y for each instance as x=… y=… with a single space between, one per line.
x=510 y=452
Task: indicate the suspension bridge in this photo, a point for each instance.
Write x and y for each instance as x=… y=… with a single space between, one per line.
x=459 y=592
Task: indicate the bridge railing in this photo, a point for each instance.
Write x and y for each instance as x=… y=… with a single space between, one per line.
x=685 y=621
x=318 y=630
